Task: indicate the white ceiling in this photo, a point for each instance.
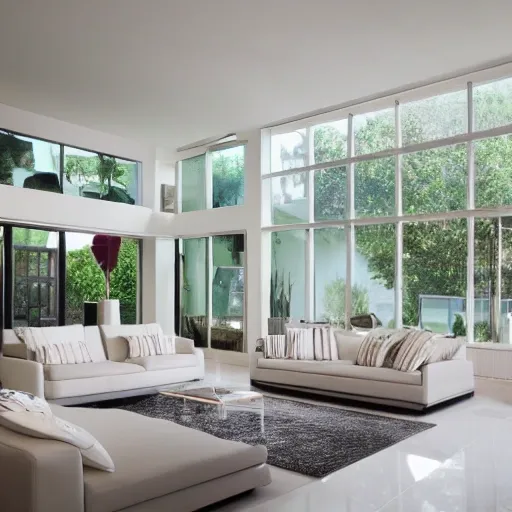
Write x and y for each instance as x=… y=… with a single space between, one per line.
x=175 y=71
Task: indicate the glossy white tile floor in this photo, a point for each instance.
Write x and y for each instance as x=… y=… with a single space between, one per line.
x=464 y=464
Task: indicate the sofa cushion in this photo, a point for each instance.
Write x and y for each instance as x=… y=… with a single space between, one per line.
x=112 y=384
x=342 y=368
x=153 y=457
x=94 y=343
x=114 y=338
x=151 y=363
x=88 y=370
x=348 y=343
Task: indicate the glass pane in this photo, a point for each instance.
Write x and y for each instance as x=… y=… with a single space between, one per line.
x=85 y=282
x=492 y=104
x=493 y=172
x=434 y=118
x=492 y=301
x=374 y=187
x=29 y=163
x=33 y=298
x=373 y=272
x=374 y=131
x=194 y=313
x=227 y=332
x=31 y=248
x=228 y=168
x=288 y=150
x=289 y=199
x=33 y=264
x=331 y=193
x=43 y=264
x=330 y=275
x=98 y=176
x=435 y=180
x=434 y=270
x=193 y=184
x=330 y=141
x=287 y=286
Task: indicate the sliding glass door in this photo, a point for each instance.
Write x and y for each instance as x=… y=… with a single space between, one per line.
x=212 y=291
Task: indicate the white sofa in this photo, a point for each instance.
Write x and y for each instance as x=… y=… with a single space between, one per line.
x=421 y=389
x=113 y=375
x=159 y=466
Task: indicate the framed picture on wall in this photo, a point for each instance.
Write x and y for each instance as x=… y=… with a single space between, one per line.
x=168 y=198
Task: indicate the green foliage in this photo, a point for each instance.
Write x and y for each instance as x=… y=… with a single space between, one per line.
x=434 y=260
x=86 y=282
x=280 y=295
x=14 y=152
x=228 y=179
x=96 y=169
x=334 y=301
x=459 y=327
x=482 y=331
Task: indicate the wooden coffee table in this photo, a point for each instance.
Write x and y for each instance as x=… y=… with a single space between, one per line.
x=224 y=399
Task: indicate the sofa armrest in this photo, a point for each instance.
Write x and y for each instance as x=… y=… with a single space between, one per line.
x=446 y=379
x=39 y=475
x=22 y=375
x=184 y=345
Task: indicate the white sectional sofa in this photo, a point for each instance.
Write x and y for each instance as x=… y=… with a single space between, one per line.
x=430 y=385
x=159 y=466
x=112 y=375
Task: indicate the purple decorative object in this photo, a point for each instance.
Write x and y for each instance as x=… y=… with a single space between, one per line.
x=106 y=250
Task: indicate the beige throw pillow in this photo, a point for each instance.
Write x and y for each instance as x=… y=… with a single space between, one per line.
x=144 y=345
x=32 y=416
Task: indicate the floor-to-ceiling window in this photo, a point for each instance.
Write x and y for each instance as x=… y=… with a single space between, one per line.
x=212 y=291
x=401 y=207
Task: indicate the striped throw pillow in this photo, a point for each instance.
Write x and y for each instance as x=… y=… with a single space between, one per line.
x=144 y=345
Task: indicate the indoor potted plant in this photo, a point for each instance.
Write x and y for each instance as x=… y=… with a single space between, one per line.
x=105 y=249
x=280 y=297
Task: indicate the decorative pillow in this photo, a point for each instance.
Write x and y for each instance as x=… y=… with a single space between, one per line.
x=143 y=345
x=63 y=353
x=299 y=344
x=32 y=416
x=415 y=351
x=274 y=346
x=445 y=348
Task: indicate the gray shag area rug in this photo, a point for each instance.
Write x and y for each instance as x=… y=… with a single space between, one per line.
x=314 y=440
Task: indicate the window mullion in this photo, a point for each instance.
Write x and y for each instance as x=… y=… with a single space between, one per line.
x=179 y=182
x=310 y=245
x=399 y=225
x=349 y=230
x=209 y=180
x=209 y=288
x=470 y=284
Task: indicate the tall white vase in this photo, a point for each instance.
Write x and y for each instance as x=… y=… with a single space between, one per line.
x=109 y=312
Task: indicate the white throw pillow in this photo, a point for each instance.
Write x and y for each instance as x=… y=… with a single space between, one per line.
x=143 y=345
x=32 y=416
x=63 y=353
